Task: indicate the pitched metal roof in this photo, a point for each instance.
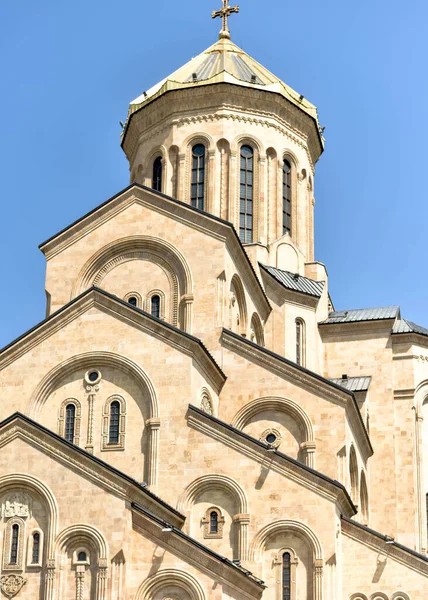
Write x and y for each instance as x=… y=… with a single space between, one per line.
x=294 y=281
x=353 y=384
x=405 y=326
x=362 y=314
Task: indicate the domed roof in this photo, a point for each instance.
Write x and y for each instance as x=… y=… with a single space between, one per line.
x=223 y=62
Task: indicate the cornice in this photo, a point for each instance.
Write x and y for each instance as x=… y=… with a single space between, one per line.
x=304 y=378
x=83 y=463
x=181 y=212
x=416 y=339
x=276 y=461
x=346 y=330
x=213 y=96
x=377 y=542
x=193 y=552
x=117 y=308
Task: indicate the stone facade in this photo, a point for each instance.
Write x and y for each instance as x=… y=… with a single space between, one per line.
x=193 y=419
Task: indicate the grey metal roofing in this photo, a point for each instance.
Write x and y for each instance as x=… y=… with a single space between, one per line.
x=296 y=282
x=354 y=384
x=405 y=326
x=362 y=314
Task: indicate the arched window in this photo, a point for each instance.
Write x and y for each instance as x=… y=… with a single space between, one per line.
x=113 y=436
x=197 y=188
x=157 y=174
x=286 y=197
x=246 y=194
x=155 y=306
x=14 y=545
x=133 y=301
x=286 y=576
x=81 y=557
x=300 y=342
x=213 y=522
x=70 y=418
x=36 y=549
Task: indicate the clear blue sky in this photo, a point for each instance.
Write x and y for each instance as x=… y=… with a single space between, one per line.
x=69 y=69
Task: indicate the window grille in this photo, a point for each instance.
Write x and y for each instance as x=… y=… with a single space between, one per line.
x=36 y=549
x=197 y=189
x=70 y=419
x=286 y=197
x=213 y=522
x=156 y=306
x=113 y=437
x=246 y=194
x=14 y=545
x=286 y=576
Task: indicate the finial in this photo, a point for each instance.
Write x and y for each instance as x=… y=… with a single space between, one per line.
x=225 y=13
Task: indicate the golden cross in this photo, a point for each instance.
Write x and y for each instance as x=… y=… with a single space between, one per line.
x=225 y=13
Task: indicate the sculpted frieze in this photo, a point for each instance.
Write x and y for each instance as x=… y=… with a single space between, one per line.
x=16 y=504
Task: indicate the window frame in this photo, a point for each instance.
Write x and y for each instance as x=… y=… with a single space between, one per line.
x=206 y=523
x=278 y=562
x=106 y=445
x=284 y=186
x=7 y=545
x=157 y=160
x=197 y=200
x=77 y=419
x=245 y=199
x=162 y=306
x=300 y=333
x=30 y=549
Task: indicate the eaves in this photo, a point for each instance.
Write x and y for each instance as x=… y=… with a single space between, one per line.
x=379 y=327
x=281 y=463
x=413 y=338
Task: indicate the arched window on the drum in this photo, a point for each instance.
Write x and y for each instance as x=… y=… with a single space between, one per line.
x=246 y=194
x=286 y=197
x=113 y=436
x=197 y=186
x=70 y=420
x=157 y=174
x=286 y=576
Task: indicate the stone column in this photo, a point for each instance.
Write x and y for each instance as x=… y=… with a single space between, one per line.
x=186 y=312
x=102 y=579
x=80 y=580
x=233 y=215
x=242 y=522
x=260 y=226
x=153 y=426
x=181 y=177
x=210 y=193
x=50 y=579
x=308 y=450
x=318 y=579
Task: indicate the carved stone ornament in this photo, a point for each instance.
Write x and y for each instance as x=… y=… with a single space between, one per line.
x=12 y=584
x=16 y=504
x=206 y=405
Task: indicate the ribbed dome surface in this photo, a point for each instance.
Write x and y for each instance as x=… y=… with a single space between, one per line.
x=224 y=62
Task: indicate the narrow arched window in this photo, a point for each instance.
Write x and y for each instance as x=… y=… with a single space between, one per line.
x=113 y=436
x=246 y=194
x=286 y=197
x=213 y=522
x=197 y=190
x=133 y=301
x=157 y=174
x=156 y=306
x=81 y=557
x=36 y=549
x=70 y=420
x=299 y=342
x=286 y=576
x=14 y=545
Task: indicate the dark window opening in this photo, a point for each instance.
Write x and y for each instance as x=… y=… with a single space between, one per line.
x=286 y=197
x=213 y=522
x=156 y=306
x=81 y=557
x=157 y=174
x=197 y=189
x=133 y=301
x=36 y=548
x=113 y=437
x=286 y=576
x=14 y=545
x=93 y=376
x=246 y=194
x=70 y=419
x=271 y=438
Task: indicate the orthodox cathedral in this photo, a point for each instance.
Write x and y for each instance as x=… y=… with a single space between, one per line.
x=194 y=420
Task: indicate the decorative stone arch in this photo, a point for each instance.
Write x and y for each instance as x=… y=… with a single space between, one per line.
x=364 y=499
x=278 y=565
x=85 y=536
x=210 y=149
x=134 y=295
x=143 y=247
x=379 y=596
x=223 y=179
x=86 y=361
x=237 y=294
x=206 y=403
x=233 y=489
x=159 y=151
x=77 y=419
x=285 y=405
x=400 y=596
x=353 y=475
x=166 y=577
x=288 y=257
x=257 y=333
x=300 y=529
x=31 y=484
x=163 y=301
x=358 y=596
x=139 y=174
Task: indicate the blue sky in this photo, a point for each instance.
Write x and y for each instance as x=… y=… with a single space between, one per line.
x=69 y=69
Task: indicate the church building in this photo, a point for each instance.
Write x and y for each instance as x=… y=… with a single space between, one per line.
x=193 y=419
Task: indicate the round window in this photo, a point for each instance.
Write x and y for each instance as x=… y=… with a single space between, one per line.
x=271 y=438
x=92 y=377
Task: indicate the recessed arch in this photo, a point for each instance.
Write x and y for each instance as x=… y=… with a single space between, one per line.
x=207 y=482
x=25 y=482
x=166 y=577
x=400 y=596
x=247 y=412
x=379 y=596
x=358 y=597
x=250 y=140
x=237 y=289
x=364 y=499
x=301 y=529
x=353 y=474
x=81 y=533
x=257 y=329
x=82 y=361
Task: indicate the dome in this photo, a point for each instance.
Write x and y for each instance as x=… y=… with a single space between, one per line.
x=224 y=62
